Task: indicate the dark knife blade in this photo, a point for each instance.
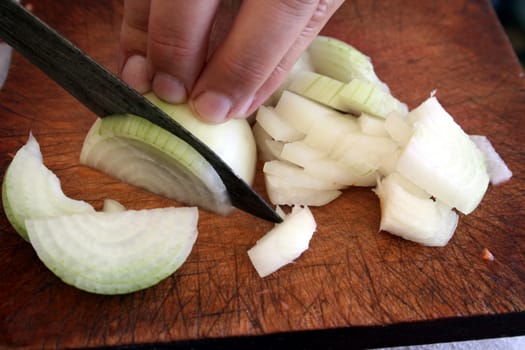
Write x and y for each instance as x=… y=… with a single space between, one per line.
x=105 y=94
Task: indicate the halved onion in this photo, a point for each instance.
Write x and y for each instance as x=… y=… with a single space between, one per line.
x=138 y=152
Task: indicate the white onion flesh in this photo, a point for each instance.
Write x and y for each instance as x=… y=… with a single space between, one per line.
x=412 y=214
x=398 y=128
x=339 y=60
x=284 y=243
x=498 y=170
x=261 y=137
x=115 y=253
x=140 y=153
x=112 y=206
x=294 y=175
x=372 y=125
x=441 y=159
x=356 y=96
x=276 y=127
x=425 y=146
x=30 y=190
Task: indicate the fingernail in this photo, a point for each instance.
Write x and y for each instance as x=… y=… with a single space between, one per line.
x=134 y=73
x=169 y=88
x=212 y=106
x=242 y=112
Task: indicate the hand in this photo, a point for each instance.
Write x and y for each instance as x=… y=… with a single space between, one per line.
x=164 y=47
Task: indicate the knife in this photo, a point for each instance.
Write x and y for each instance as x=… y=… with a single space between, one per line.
x=105 y=94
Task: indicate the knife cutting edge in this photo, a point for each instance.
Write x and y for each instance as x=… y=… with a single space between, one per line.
x=105 y=94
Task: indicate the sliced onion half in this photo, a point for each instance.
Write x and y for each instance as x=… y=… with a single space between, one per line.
x=140 y=153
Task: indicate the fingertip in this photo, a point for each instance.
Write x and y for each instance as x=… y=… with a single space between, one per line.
x=215 y=107
x=211 y=107
x=169 y=88
x=135 y=73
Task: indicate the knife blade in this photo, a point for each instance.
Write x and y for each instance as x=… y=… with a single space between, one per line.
x=105 y=94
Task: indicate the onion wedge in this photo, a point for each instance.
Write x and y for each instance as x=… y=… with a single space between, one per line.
x=30 y=190
x=115 y=252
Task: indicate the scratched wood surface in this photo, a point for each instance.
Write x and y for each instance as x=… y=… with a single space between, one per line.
x=352 y=275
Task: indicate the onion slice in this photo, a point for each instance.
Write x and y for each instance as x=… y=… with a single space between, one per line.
x=441 y=158
x=412 y=214
x=30 y=190
x=499 y=172
x=284 y=243
x=115 y=252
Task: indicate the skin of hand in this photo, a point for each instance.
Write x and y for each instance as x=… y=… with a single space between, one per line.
x=164 y=48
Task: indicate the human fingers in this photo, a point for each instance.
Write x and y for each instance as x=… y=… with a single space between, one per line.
x=323 y=13
x=265 y=40
x=133 y=45
x=178 y=44
x=164 y=45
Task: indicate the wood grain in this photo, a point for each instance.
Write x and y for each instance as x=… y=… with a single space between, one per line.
x=352 y=276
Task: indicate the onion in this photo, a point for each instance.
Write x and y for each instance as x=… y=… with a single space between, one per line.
x=115 y=252
x=140 y=153
x=284 y=243
x=337 y=125
x=441 y=158
x=355 y=97
x=339 y=60
x=497 y=169
x=412 y=214
x=30 y=190
x=112 y=206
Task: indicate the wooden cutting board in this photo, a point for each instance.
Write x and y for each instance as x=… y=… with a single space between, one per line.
x=353 y=279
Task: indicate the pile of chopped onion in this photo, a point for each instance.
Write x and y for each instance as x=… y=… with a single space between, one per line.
x=334 y=124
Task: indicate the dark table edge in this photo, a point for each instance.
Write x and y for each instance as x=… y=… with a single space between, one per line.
x=362 y=337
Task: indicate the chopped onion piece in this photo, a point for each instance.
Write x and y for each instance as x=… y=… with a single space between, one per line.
x=304 y=63
x=372 y=125
x=261 y=137
x=284 y=243
x=275 y=148
x=300 y=152
x=412 y=214
x=300 y=112
x=281 y=192
x=441 y=159
x=365 y=152
x=496 y=167
x=31 y=190
x=388 y=165
x=398 y=128
x=277 y=127
x=341 y=61
x=287 y=174
x=112 y=206
x=356 y=96
x=336 y=125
